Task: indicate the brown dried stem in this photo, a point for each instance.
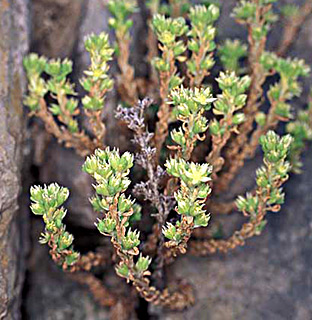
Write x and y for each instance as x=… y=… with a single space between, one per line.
x=85 y=262
x=152 y=44
x=164 y=113
x=196 y=81
x=95 y=117
x=127 y=86
x=103 y=296
x=218 y=142
x=257 y=74
x=248 y=230
x=92 y=259
x=292 y=27
x=97 y=126
x=271 y=122
x=186 y=229
x=150 y=245
x=82 y=144
x=176 y=6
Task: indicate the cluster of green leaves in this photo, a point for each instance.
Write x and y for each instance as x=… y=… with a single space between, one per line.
x=140 y=268
x=189 y=108
x=247 y=12
x=288 y=86
x=201 y=38
x=172 y=8
x=47 y=202
x=231 y=52
x=97 y=81
x=270 y=176
x=167 y=31
x=201 y=34
x=58 y=85
x=121 y=10
x=110 y=171
x=34 y=67
x=290 y=10
x=153 y=5
x=191 y=196
x=232 y=99
x=301 y=131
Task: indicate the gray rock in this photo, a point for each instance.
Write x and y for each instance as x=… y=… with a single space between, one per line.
x=13 y=44
x=63 y=166
x=55 y=26
x=51 y=294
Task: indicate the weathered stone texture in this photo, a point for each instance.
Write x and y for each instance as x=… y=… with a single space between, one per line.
x=55 y=26
x=52 y=295
x=13 y=44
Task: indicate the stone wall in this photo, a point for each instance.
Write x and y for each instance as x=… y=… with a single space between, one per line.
x=13 y=45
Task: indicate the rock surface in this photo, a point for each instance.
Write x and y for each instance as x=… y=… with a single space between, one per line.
x=13 y=45
x=55 y=26
x=52 y=295
x=68 y=173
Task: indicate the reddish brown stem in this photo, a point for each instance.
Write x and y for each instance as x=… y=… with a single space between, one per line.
x=234 y=156
x=292 y=27
x=127 y=86
x=164 y=109
x=218 y=142
x=101 y=295
x=79 y=140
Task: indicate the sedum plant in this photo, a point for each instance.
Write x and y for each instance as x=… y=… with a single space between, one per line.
x=47 y=202
x=207 y=124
